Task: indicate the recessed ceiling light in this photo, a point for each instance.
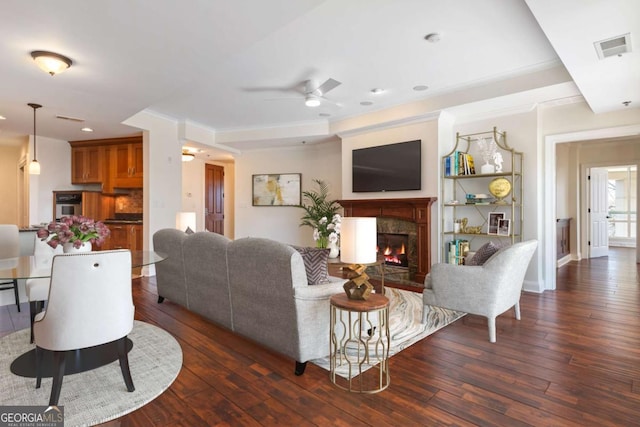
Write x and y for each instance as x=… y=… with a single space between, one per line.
x=86 y=130
x=377 y=91
x=324 y=115
x=432 y=37
x=366 y=103
x=626 y=103
x=420 y=87
x=3 y=118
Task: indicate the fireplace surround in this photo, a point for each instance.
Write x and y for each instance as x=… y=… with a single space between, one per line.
x=415 y=210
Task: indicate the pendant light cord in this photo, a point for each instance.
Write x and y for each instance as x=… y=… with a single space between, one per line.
x=35 y=107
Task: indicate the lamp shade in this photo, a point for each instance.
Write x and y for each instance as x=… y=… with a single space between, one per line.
x=34 y=167
x=186 y=220
x=358 y=240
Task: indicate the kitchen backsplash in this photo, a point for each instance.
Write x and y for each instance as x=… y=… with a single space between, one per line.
x=130 y=203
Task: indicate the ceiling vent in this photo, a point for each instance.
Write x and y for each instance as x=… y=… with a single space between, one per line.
x=614 y=46
x=73 y=119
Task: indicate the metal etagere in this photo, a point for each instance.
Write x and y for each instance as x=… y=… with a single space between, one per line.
x=456 y=186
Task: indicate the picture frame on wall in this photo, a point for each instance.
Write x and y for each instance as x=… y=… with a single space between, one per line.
x=278 y=189
x=494 y=218
x=504 y=227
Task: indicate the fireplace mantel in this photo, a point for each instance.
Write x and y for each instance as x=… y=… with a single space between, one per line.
x=417 y=210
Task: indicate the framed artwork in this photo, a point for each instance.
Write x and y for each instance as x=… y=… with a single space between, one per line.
x=494 y=217
x=504 y=227
x=280 y=189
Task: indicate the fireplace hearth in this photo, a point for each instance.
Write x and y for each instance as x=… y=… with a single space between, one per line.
x=416 y=211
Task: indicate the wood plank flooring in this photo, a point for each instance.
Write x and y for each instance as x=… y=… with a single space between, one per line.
x=573 y=360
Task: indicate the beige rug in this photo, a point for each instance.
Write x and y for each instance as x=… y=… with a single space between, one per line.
x=405 y=324
x=98 y=395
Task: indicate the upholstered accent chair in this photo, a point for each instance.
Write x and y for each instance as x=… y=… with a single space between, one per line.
x=90 y=303
x=10 y=248
x=486 y=290
x=38 y=288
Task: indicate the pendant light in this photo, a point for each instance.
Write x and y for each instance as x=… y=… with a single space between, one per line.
x=34 y=166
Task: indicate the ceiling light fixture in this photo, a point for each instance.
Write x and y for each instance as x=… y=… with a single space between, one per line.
x=52 y=63
x=3 y=118
x=187 y=157
x=377 y=91
x=34 y=166
x=311 y=101
x=86 y=130
x=420 y=88
x=366 y=103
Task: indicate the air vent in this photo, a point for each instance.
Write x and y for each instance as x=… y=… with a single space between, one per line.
x=615 y=46
x=73 y=119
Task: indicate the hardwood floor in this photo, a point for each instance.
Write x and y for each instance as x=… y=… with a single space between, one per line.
x=573 y=360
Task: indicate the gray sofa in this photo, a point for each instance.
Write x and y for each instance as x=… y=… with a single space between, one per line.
x=256 y=287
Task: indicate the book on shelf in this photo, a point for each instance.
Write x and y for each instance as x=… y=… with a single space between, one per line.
x=478 y=199
x=459 y=163
x=456 y=251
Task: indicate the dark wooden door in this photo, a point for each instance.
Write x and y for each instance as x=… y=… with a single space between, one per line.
x=214 y=198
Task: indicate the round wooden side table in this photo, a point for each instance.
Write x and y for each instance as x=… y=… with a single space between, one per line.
x=359 y=343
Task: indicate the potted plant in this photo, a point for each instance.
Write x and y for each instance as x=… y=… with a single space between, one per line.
x=74 y=232
x=321 y=214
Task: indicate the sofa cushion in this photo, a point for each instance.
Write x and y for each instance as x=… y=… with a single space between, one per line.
x=315 y=264
x=484 y=253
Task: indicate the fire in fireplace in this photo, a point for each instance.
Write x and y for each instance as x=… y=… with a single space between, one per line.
x=394 y=248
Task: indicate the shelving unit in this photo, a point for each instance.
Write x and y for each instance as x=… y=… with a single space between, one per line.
x=454 y=190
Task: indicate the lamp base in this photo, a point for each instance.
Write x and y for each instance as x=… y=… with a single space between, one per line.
x=358 y=288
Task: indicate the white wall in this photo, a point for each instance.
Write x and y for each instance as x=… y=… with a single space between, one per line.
x=281 y=223
x=54 y=156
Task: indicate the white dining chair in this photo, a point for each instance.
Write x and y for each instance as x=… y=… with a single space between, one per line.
x=38 y=288
x=10 y=248
x=90 y=304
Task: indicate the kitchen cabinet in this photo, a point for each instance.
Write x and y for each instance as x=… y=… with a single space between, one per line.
x=86 y=165
x=126 y=165
x=114 y=163
x=124 y=236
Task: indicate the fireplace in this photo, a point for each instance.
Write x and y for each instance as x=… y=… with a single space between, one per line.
x=414 y=219
x=393 y=247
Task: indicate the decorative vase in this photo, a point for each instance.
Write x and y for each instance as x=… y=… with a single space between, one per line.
x=487 y=168
x=334 y=251
x=68 y=248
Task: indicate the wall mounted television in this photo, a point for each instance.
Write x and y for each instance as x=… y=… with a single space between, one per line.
x=392 y=167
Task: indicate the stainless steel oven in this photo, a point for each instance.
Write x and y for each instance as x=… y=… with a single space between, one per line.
x=68 y=203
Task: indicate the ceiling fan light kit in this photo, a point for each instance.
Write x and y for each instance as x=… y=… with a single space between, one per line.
x=311 y=101
x=52 y=63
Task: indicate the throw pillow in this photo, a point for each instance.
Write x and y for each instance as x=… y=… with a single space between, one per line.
x=315 y=264
x=484 y=253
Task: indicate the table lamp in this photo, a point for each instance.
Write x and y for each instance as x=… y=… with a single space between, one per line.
x=358 y=240
x=186 y=221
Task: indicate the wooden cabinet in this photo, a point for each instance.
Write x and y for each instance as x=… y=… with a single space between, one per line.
x=563 y=237
x=86 y=165
x=124 y=236
x=114 y=163
x=126 y=165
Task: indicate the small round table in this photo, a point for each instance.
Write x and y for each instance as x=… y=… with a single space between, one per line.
x=359 y=343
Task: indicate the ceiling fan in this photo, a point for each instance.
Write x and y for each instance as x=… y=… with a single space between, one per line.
x=312 y=93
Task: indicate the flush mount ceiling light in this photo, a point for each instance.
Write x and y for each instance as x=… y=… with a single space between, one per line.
x=52 y=63
x=34 y=166
x=311 y=101
x=187 y=157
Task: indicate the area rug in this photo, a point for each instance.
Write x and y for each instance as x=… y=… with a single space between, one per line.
x=98 y=395
x=405 y=324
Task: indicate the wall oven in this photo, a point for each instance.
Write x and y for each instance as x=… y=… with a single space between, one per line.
x=67 y=203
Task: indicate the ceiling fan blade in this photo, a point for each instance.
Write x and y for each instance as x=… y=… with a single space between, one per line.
x=327 y=86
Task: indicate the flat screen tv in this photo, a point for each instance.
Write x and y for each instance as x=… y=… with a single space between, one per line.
x=392 y=167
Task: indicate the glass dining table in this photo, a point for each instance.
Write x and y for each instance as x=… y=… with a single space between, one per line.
x=30 y=266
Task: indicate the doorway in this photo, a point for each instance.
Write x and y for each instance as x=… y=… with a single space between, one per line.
x=214 y=198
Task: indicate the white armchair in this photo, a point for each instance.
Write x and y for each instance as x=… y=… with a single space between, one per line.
x=38 y=288
x=90 y=303
x=487 y=290
x=10 y=248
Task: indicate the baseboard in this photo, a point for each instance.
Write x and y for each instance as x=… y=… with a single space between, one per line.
x=563 y=261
